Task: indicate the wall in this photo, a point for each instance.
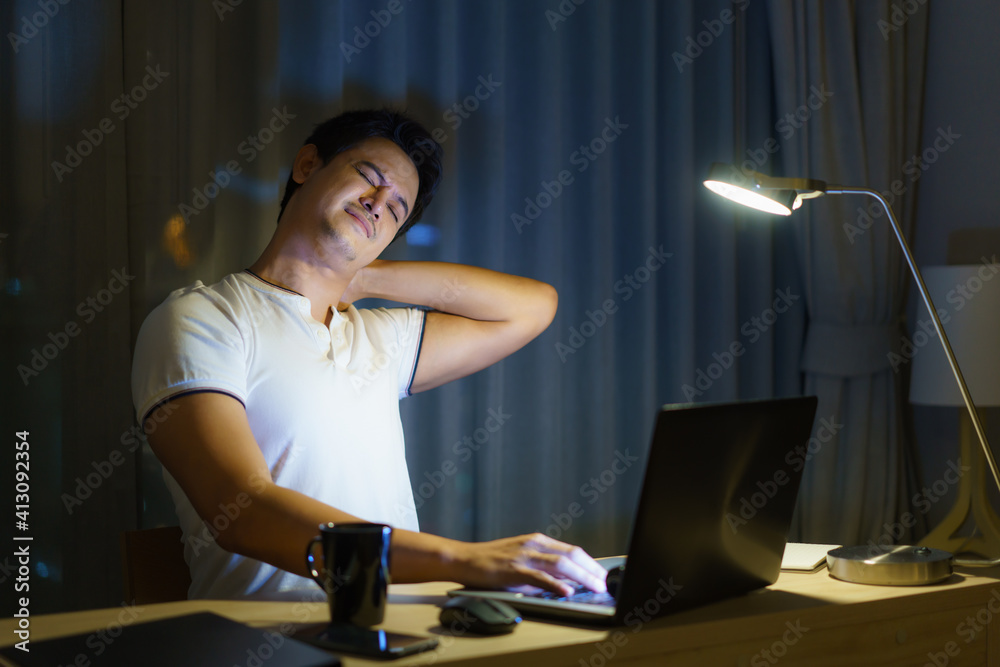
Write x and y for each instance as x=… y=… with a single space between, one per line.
x=963 y=93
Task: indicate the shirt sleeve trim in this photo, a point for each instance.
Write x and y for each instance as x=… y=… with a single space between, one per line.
x=416 y=359
x=201 y=390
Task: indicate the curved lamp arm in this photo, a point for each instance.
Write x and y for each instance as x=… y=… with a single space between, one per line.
x=783 y=195
x=945 y=343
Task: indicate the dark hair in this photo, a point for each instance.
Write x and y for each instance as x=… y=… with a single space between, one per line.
x=352 y=127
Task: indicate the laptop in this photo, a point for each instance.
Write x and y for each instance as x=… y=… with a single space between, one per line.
x=713 y=517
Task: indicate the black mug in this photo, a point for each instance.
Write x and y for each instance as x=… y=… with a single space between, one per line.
x=355 y=571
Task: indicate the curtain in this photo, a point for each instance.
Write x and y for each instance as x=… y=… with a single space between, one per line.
x=576 y=138
x=66 y=290
x=853 y=72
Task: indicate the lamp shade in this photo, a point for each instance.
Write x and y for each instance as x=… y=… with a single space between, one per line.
x=779 y=202
x=967 y=298
x=765 y=193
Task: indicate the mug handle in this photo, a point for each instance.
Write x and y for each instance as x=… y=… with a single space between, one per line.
x=311 y=562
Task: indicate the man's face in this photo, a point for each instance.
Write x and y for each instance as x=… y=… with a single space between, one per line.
x=359 y=200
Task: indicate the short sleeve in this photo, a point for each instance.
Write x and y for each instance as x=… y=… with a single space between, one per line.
x=189 y=343
x=414 y=335
x=396 y=335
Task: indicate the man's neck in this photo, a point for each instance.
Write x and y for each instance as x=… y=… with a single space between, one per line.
x=297 y=272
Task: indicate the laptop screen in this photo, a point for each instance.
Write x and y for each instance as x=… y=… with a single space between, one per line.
x=716 y=505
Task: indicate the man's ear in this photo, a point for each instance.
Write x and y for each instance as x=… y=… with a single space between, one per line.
x=306 y=161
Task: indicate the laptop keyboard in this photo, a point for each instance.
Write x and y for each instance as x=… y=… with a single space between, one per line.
x=581 y=594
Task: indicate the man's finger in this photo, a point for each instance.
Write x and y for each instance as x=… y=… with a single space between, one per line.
x=587 y=571
x=563 y=566
x=545 y=581
x=584 y=560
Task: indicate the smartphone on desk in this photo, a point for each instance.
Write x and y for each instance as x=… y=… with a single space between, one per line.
x=366 y=642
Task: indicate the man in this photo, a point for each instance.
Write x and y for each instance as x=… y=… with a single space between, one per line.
x=275 y=400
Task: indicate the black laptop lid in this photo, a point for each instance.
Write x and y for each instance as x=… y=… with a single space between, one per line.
x=716 y=505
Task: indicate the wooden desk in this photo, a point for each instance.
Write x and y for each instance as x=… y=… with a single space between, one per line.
x=804 y=619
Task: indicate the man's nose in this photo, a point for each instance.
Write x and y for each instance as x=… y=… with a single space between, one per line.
x=373 y=205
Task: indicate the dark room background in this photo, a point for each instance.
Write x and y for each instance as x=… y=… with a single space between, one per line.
x=144 y=145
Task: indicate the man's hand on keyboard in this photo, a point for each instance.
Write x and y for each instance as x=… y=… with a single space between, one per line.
x=534 y=560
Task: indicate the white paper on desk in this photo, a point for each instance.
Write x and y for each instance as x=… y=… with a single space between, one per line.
x=801 y=557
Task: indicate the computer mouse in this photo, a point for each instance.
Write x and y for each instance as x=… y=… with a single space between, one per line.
x=614 y=580
x=478 y=615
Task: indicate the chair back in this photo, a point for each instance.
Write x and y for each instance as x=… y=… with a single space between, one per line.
x=153 y=566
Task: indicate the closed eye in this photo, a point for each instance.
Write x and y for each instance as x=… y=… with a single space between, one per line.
x=366 y=176
x=371 y=182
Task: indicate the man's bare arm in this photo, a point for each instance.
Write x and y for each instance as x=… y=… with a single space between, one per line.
x=480 y=317
x=207 y=446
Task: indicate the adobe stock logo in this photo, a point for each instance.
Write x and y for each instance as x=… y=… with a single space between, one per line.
x=747 y=507
x=779 y=647
x=223 y=7
x=220 y=178
x=581 y=158
x=455 y=115
x=592 y=490
x=753 y=329
x=628 y=285
x=562 y=12
x=901 y=13
x=121 y=107
x=463 y=450
x=696 y=45
x=957 y=298
x=372 y=29
x=60 y=339
x=30 y=28
x=913 y=169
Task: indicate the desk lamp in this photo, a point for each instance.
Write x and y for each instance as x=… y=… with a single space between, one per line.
x=893 y=565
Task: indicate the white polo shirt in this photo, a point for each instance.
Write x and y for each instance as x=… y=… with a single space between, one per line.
x=322 y=402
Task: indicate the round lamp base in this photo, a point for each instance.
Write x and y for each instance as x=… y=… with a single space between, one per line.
x=898 y=565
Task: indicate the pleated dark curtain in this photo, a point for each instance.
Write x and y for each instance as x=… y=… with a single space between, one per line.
x=859 y=70
x=575 y=144
x=66 y=285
